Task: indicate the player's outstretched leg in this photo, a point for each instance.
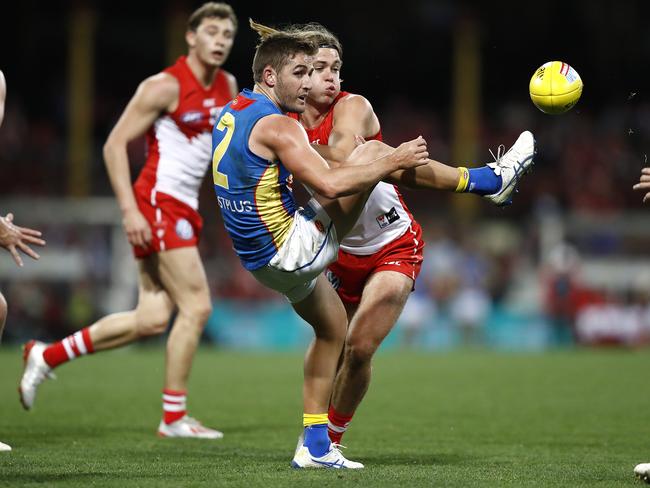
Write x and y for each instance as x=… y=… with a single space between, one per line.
x=151 y=317
x=498 y=180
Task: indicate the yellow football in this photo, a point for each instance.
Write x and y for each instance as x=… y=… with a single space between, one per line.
x=555 y=87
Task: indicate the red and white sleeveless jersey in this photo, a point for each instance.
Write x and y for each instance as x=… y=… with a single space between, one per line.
x=179 y=144
x=385 y=216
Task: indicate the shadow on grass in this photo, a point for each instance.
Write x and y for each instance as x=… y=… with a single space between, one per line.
x=422 y=459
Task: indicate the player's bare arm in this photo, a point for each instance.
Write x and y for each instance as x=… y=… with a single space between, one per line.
x=644 y=184
x=15 y=238
x=354 y=115
x=154 y=96
x=280 y=137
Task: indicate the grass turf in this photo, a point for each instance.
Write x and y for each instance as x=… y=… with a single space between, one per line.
x=456 y=419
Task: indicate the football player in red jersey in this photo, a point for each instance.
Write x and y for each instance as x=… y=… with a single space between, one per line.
x=12 y=237
x=380 y=258
x=176 y=109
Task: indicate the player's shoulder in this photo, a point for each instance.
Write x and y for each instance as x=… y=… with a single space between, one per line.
x=231 y=81
x=228 y=75
x=354 y=104
x=280 y=124
x=161 y=84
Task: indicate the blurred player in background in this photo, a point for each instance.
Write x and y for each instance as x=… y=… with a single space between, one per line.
x=176 y=108
x=12 y=237
x=257 y=152
x=642 y=471
x=381 y=257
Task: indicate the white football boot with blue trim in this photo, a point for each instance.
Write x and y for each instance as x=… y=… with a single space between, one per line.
x=511 y=166
x=642 y=471
x=332 y=459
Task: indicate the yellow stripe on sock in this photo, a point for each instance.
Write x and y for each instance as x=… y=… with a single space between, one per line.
x=463 y=179
x=309 y=419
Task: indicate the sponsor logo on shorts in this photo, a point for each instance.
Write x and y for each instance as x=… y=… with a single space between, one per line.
x=191 y=117
x=184 y=229
x=388 y=218
x=334 y=280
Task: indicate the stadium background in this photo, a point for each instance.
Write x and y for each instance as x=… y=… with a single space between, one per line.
x=568 y=262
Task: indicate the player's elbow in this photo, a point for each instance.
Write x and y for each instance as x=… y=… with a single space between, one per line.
x=330 y=189
x=111 y=147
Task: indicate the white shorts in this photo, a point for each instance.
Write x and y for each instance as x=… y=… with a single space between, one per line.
x=312 y=245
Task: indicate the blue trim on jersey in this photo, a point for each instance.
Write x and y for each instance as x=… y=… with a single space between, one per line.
x=258 y=205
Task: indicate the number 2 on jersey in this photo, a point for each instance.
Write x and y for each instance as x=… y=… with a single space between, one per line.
x=227 y=123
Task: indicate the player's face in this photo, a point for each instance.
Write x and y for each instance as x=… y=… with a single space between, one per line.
x=326 y=79
x=294 y=83
x=213 y=40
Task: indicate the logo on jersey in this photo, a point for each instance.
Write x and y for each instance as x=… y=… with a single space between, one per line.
x=209 y=102
x=184 y=229
x=388 y=218
x=319 y=225
x=192 y=117
x=334 y=280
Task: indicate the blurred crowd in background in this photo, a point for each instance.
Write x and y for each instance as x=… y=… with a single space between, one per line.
x=567 y=263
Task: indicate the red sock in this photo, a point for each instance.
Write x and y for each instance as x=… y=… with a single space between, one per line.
x=337 y=424
x=77 y=344
x=173 y=405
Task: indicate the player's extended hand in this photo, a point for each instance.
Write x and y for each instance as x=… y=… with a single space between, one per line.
x=14 y=238
x=644 y=184
x=411 y=154
x=137 y=229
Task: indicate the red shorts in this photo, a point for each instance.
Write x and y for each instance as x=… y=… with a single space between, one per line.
x=173 y=223
x=350 y=272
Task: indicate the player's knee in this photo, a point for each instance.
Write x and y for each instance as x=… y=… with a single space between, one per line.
x=153 y=321
x=359 y=350
x=198 y=311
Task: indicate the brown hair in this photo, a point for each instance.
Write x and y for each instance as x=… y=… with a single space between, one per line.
x=276 y=48
x=209 y=10
x=320 y=35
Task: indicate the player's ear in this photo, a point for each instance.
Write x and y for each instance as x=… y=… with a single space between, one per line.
x=190 y=38
x=269 y=76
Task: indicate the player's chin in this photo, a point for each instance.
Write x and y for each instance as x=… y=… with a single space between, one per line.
x=213 y=61
x=299 y=105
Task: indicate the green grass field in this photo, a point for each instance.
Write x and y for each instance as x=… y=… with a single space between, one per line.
x=454 y=419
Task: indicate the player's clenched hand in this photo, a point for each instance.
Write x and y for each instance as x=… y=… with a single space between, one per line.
x=644 y=183
x=411 y=154
x=14 y=238
x=137 y=229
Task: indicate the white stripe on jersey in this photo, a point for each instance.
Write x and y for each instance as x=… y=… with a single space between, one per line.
x=182 y=163
x=373 y=231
